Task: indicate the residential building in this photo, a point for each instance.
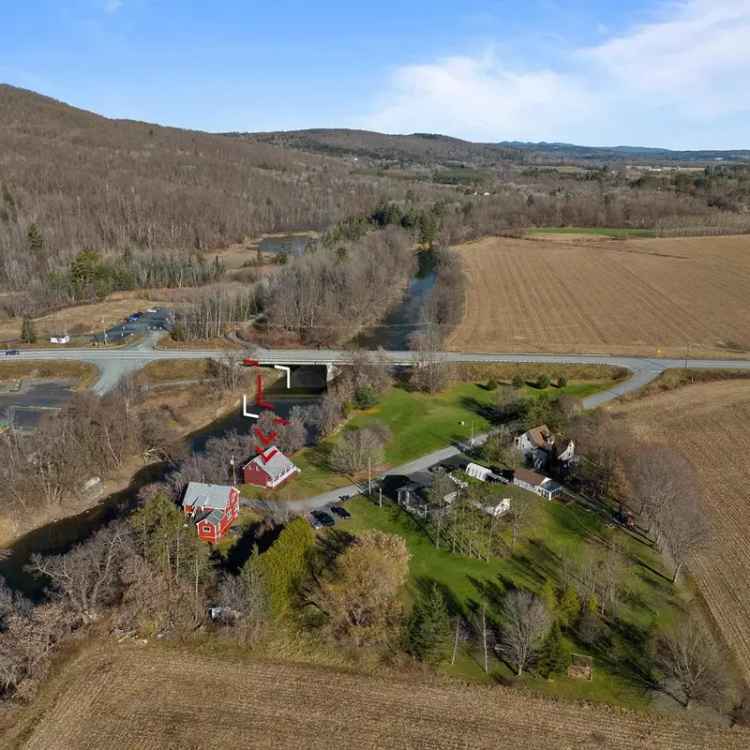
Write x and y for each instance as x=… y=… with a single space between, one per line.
x=269 y=469
x=213 y=508
x=540 y=447
x=537 y=483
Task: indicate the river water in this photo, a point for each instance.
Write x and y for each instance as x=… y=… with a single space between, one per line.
x=58 y=537
x=394 y=331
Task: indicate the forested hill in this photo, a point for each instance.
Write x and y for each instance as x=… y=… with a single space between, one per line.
x=86 y=181
x=425 y=148
x=433 y=149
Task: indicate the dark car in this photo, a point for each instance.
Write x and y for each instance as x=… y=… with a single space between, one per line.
x=340 y=512
x=344 y=498
x=11 y=352
x=324 y=519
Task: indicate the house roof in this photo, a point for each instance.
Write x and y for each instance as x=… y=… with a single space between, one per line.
x=539 y=436
x=530 y=477
x=276 y=466
x=213 y=496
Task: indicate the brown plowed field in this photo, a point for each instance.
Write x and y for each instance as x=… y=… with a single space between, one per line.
x=710 y=424
x=150 y=698
x=637 y=296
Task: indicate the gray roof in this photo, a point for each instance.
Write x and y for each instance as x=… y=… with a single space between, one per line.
x=276 y=466
x=214 y=496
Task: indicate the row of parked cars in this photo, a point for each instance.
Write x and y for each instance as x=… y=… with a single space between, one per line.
x=327 y=517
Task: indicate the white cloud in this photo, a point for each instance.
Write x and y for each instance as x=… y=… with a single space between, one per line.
x=479 y=98
x=112 y=6
x=683 y=76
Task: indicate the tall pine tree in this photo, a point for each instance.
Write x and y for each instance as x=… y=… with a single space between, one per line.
x=429 y=630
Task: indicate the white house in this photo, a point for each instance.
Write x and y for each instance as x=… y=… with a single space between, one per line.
x=533 y=482
x=538 y=445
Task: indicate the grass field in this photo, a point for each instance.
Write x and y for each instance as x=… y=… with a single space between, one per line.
x=667 y=297
x=157 y=698
x=84 y=373
x=708 y=422
x=617 y=232
x=558 y=532
x=419 y=423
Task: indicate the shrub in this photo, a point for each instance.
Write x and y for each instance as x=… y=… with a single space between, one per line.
x=365 y=397
x=543 y=382
x=491 y=384
x=562 y=381
x=518 y=382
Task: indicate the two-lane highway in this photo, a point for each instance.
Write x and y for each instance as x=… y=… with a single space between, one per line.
x=115 y=363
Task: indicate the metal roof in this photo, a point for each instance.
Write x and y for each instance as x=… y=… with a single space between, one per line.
x=213 y=496
x=276 y=466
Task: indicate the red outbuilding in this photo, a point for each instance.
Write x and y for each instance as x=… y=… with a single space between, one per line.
x=269 y=469
x=213 y=508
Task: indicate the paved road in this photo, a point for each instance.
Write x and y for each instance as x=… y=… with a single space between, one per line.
x=114 y=363
x=420 y=464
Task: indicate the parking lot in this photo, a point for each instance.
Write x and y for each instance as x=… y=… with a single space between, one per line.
x=153 y=319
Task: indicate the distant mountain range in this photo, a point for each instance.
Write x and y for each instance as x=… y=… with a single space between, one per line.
x=641 y=153
x=431 y=148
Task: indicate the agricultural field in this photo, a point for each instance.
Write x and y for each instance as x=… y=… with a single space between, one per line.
x=638 y=296
x=708 y=422
x=147 y=697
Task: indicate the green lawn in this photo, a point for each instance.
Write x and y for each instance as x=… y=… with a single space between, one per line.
x=419 y=423
x=558 y=532
x=618 y=232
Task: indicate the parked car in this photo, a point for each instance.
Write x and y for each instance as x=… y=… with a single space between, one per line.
x=324 y=519
x=314 y=522
x=340 y=511
x=11 y=352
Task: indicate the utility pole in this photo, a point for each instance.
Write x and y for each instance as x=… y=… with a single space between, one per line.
x=369 y=476
x=380 y=496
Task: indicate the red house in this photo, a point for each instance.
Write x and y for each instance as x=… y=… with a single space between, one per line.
x=269 y=469
x=213 y=508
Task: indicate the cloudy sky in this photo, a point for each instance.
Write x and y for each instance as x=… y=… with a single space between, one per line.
x=595 y=72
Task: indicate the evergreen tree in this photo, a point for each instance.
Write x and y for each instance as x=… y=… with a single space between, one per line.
x=429 y=629
x=28 y=332
x=570 y=607
x=553 y=658
x=549 y=596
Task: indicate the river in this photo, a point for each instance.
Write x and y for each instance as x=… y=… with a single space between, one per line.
x=394 y=331
x=58 y=537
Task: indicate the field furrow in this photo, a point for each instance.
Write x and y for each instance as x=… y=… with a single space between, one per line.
x=637 y=296
x=164 y=698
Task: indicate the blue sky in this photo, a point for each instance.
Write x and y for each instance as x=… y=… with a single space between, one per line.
x=601 y=72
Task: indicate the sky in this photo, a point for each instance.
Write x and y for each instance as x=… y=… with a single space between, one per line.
x=671 y=73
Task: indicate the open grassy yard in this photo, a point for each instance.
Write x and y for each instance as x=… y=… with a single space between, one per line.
x=636 y=296
x=131 y=697
x=419 y=423
x=708 y=422
x=557 y=534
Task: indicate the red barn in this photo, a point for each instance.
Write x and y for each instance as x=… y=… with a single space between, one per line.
x=269 y=469
x=213 y=508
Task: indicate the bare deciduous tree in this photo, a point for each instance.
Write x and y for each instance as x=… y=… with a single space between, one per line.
x=524 y=625
x=687 y=656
